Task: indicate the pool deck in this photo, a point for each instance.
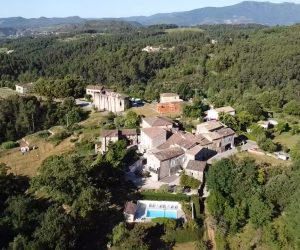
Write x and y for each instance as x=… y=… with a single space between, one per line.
x=143 y=206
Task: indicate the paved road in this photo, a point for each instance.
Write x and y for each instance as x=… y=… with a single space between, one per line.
x=249 y=145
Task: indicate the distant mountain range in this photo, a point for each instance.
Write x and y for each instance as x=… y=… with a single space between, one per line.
x=265 y=13
x=246 y=12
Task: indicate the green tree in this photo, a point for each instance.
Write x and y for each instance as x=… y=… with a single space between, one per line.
x=260 y=212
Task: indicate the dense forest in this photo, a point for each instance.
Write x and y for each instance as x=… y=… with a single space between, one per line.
x=243 y=63
x=20 y=116
x=255 y=206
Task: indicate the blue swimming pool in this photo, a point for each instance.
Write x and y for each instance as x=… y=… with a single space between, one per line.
x=161 y=214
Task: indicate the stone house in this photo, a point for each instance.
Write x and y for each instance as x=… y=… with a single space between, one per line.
x=220 y=136
x=213 y=114
x=107 y=99
x=152 y=138
x=157 y=122
x=196 y=169
x=165 y=162
x=112 y=136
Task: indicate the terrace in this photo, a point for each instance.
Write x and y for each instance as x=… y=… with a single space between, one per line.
x=147 y=210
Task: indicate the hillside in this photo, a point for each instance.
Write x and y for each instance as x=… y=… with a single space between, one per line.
x=246 y=12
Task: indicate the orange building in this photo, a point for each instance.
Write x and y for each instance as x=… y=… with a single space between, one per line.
x=171 y=107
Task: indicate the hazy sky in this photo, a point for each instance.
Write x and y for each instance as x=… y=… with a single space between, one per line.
x=103 y=8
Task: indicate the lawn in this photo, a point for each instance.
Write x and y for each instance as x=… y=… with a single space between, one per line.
x=6 y=92
x=287 y=139
x=260 y=159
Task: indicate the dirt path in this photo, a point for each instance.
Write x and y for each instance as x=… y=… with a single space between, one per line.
x=210 y=231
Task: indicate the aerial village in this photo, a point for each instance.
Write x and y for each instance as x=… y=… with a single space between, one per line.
x=167 y=151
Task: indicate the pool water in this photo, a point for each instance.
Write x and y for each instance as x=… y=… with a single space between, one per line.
x=161 y=214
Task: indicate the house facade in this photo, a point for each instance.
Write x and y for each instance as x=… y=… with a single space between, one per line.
x=213 y=114
x=152 y=138
x=169 y=98
x=107 y=100
x=111 y=136
x=196 y=169
x=165 y=162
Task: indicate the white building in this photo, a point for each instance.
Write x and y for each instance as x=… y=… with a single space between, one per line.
x=24 y=88
x=107 y=99
x=213 y=114
x=169 y=98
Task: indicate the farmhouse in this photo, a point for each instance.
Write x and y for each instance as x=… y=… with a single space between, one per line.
x=213 y=114
x=165 y=162
x=112 y=136
x=24 y=88
x=220 y=136
x=152 y=138
x=107 y=100
x=196 y=169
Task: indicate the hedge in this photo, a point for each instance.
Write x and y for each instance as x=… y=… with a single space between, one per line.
x=150 y=195
x=196 y=200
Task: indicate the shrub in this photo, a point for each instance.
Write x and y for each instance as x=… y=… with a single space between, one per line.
x=43 y=134
x=164 y=188
x=9 y=145
x=188 y=181
x=59 y=137
x=170 y=224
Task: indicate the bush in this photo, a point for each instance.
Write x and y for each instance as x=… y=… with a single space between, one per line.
x=188 y=181
x=59 y=137
x=170 y=224
x=43 y=134
x=9 y=145
x=164 y=188
x=150 y=195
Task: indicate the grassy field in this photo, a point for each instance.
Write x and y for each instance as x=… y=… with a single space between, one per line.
x=6 y=92
x=29 y=163
x=260 y=159
x=287 y=139
x=185 y=246
x=183 y=30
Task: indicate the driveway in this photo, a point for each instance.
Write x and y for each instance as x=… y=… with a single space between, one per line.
x=248 y=145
